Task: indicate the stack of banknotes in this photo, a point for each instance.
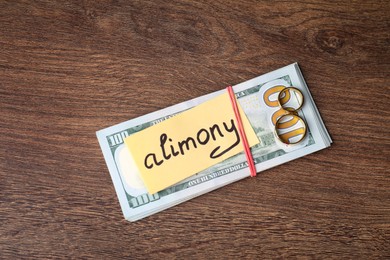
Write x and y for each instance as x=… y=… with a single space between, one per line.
x=137 y=203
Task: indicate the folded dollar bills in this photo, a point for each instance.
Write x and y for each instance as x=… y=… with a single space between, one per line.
x=256 y=98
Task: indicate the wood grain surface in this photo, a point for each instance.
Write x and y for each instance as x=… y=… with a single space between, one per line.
x=70 y=68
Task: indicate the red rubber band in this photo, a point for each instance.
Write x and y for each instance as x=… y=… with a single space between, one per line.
x=247 y=150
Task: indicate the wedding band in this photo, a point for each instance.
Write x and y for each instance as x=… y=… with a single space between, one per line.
x=286 y=138
x=295 y=90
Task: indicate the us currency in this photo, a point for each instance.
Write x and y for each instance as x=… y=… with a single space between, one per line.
x=256 y=98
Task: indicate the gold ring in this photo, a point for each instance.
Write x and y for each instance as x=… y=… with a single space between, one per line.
x=280 y=98
x=285 y=137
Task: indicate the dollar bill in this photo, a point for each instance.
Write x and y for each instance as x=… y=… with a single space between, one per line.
x=256 y=98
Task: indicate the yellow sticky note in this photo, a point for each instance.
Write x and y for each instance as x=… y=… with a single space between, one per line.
x=188 y=143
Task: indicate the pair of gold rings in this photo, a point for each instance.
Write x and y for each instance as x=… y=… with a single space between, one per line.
x=290 y=128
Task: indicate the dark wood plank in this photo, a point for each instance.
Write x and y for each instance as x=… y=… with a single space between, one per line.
x=70 y=68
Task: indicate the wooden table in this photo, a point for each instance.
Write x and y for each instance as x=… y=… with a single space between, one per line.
x=68 y=69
